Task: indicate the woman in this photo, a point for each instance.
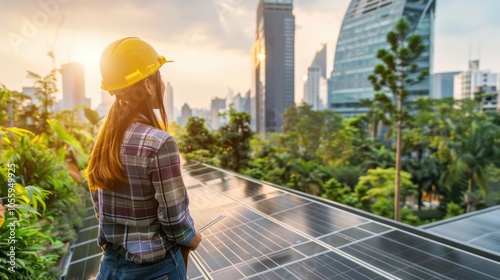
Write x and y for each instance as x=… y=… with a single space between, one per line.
x=134 y=172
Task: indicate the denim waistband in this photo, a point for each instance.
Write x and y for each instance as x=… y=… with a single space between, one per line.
x=121 y=251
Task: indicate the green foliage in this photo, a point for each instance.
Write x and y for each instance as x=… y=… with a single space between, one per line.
x=308 y=176
x=46 y=88
x=204 y=156
x=409 y=217
x=453 y=209
x=234 y=141
x=348 y=175
x=376 y=190
x=307 y=130
x=382 y=157
x=396 y=74
x=336 y=191
x=197 y=137
x=379 y=114
x=47 y=195
x=32 y=256
x=92 y=116
x=470 y=155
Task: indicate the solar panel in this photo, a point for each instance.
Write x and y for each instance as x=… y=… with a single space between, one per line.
x=269 y=232
x=480 y=229
x=289 y=236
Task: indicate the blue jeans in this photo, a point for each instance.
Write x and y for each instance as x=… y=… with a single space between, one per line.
x=116 y=266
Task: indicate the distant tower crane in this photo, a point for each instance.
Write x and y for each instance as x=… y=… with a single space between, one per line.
x=50 y=53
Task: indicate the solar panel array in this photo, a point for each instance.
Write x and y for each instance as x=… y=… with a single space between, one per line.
x=479 y=228
x=269 y=232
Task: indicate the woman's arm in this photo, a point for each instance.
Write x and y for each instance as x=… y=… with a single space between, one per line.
x=171 y=194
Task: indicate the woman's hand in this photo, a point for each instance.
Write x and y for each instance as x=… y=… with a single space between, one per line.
x=193 y=244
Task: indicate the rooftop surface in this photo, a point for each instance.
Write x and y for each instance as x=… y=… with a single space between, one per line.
x=255 y=230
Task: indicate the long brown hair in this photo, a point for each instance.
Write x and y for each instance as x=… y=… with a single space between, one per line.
x=132 y=104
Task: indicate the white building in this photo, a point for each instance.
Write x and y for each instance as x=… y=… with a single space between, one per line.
x=168 y=101
x=73 y=86
x=186 y=113
x=316 y=80
x=218 y=106
x=242 y=103
x=472 y=82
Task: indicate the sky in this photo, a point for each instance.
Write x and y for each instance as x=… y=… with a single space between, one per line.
x=210 y=41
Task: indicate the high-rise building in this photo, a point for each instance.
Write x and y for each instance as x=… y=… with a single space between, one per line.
x=469 y=84
x=186 y=113
x=241 y=103
x=273 y=61
x=442 y=85
x=73 y=86
x=217 y=107
x=316 y=79
x=363 y=33
x=168 y=100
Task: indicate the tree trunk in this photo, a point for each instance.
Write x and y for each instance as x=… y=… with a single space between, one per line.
x=398 y=158
x=469 y=197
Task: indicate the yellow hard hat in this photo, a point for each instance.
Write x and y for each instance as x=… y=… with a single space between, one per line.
x=128 y=61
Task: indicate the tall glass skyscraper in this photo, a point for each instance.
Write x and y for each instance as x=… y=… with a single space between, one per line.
x=363 y=33
x=273 y=63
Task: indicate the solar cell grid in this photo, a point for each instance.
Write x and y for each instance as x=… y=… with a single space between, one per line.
x=317 y=220
x=374 y=227
x=270 y=233
x=279 y=203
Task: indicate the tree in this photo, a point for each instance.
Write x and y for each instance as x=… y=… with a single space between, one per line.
x=379 y=109
x=382 y=157
x=341 y=193
x=46 y=89
x=308 y=176
x=398 y=72
x=197 y=136
x=234 y=141
x=14 y=99
x=197 y=142
x=376 y=188
x=469 y=157
x=426 y=174
x=307 y=130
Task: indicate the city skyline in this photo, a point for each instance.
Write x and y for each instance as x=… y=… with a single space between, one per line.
x=210 y=41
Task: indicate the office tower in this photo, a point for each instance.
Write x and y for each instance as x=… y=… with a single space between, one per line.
x=316 y=80
x=217 y=106
x=363 y=33
x=473 y=82
x=168 y=100
x=186 y=113
x=242 y=103
x=73 y=86
x=442 y=85
x=273 y=61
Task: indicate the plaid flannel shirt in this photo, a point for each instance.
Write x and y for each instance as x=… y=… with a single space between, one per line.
x=149 y=214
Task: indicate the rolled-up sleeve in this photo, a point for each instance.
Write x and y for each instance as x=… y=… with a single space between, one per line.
x=173 y=212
